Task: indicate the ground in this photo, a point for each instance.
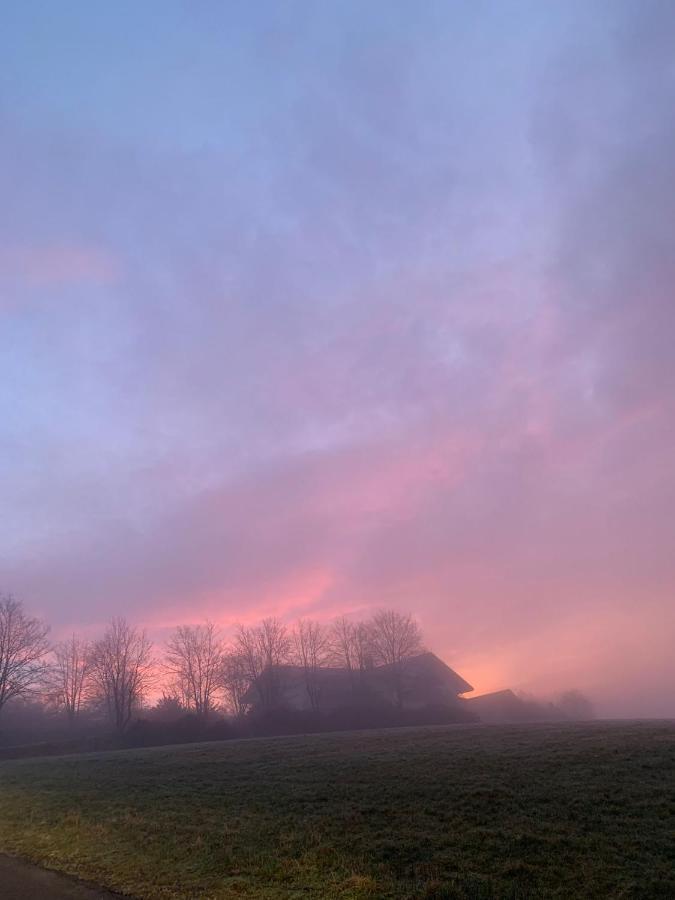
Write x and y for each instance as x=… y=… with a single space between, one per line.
x=21 y=881
x=458 y=811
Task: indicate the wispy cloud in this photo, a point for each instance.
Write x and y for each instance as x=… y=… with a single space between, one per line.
x=57 y=264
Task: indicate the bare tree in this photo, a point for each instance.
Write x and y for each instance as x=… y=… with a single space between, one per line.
x=23 y=648
x=342 y=643
x=122 y=670
x=194 y=657
x=395 y=637
x=311 y=651
x=351 y=647
x=234 y=682
x=263 y=649
x=70 y=675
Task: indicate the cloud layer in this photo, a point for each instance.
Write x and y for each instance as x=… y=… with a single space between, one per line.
x=306 y=311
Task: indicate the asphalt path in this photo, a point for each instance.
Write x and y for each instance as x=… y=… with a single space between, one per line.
x=21 y=881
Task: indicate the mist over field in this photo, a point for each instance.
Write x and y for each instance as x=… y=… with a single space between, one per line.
x=310 y=309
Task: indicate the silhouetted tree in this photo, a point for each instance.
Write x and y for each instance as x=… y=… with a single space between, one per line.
x=194 y=659
x=395 y=637
x=575 y=705
x=351 y=647
x=311 y=651
x=234 y=681
x=70 y=675
x=263 y=649
x=23 y=648
x=168 y=708
x=121 y=670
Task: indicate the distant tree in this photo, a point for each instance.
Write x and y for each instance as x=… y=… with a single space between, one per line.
x=23 y=650
x=311 y=651
x=234 y=681
x=70 y=675
x=194 y=659
x=121 y=671
x=575 y=705
x=395 y=637
x=168 y=708
x=263 y=649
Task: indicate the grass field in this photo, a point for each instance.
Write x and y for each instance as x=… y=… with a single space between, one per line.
x=465 y=811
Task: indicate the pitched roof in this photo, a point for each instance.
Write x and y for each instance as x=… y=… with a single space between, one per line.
x=425 y=667
x=427 y=664
x=494 y=699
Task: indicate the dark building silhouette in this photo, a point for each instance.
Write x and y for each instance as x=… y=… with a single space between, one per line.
x=422 y=680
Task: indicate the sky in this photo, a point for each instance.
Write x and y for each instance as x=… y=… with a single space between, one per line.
x=314 y=308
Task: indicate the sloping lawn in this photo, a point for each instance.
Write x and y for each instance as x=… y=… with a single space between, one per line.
x=457 y=811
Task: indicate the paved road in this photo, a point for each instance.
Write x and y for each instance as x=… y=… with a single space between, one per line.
x=20 y=881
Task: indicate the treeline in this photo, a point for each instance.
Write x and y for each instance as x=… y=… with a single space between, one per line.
x=207 y=681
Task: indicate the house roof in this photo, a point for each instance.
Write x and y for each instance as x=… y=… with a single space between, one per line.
x=429 y=665
x=494 y=699
x=331 y=678
x=423 y=667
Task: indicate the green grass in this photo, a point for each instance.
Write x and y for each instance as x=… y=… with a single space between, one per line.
x=465 y=811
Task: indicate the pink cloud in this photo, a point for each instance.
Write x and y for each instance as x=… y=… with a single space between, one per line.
x=56 y=265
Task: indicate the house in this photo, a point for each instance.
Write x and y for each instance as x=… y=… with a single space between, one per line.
x=420 y=681
x=497 y=707
x=425 y=681
x=500 y=707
